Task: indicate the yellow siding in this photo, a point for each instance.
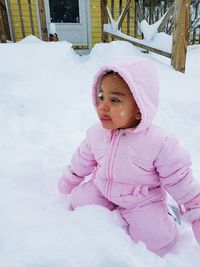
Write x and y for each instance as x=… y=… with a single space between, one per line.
x=95 y=8
x=26 y=18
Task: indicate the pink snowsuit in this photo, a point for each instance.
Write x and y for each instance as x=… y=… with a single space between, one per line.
x=133 y=168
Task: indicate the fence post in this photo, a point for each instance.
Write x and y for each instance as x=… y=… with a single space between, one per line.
x=180 y=34
x=104 y=20
x=2 y=28
x=43 y=23
x=10 y=20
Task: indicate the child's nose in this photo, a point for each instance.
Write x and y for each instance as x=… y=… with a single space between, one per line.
x=104 y=106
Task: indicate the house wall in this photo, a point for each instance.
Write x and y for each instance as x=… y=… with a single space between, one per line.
x=95 y=12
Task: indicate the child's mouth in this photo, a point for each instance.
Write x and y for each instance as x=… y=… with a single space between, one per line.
x=105 y=119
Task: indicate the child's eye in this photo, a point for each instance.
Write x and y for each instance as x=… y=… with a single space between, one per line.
x=100 y=97
x=115 y=100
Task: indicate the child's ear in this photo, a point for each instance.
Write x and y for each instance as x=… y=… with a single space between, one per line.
x=138 y=116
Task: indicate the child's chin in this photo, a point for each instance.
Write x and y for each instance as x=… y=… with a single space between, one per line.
x=108 y=126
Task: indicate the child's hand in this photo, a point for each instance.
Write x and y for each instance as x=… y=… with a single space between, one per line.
x=64 y=186
x=68 y=181
x=196 y=230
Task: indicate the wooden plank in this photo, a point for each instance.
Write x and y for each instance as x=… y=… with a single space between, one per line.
x=120 y=7
x=43 y=20
x=124 y=13
x=104 y=20
x=2 y=33
x=145 y=47
x=21 y=18
x=180 y=34
x=31 y=17
x=10 y=19
x=3 y=23
x=113 y=10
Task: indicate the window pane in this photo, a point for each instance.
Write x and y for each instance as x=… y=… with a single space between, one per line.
x=64 y=11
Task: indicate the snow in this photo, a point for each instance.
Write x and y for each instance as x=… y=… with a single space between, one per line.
x=149 y=30
x=30 y=39
x=52 y=28
x=152 y=37
x=45 y=109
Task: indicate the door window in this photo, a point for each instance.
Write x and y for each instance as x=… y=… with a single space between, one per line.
x=64 y=11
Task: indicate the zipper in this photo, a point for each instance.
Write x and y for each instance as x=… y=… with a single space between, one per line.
x=114 y=142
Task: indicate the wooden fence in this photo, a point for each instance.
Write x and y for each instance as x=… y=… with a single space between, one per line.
x=19 y=18
x=4 y=24
x=181 y=18
x=152 y=11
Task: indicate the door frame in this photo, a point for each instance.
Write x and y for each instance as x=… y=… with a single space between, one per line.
x=88 y=23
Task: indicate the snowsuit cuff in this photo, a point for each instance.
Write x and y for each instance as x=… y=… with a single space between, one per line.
x=68 y=181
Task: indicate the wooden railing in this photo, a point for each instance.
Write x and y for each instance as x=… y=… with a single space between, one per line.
x=6 y=5
x=175 y=18
x=152 y=11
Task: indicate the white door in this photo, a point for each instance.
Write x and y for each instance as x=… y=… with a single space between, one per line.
x=70 y=18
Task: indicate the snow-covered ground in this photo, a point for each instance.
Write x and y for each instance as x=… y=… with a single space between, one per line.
x=45 y=109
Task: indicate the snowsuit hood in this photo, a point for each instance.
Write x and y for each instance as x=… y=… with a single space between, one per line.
x=142 y=80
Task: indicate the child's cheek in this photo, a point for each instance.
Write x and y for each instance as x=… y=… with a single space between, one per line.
x=124 y=113
x=97 y=108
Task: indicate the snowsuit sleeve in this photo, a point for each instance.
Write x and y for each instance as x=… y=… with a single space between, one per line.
x=82 y=164
x=83 y=161
x=173 y=165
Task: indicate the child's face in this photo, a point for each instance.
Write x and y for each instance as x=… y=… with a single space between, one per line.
x=116 y=106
